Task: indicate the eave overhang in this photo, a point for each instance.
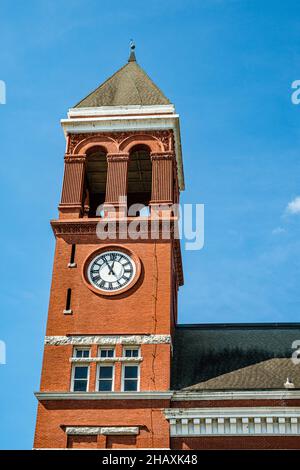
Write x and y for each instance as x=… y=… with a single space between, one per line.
x=228 y=395
x=46 y=396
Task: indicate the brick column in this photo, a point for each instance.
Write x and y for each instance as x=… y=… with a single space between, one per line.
x=162 y=179
x=116 y=185
x=72 y=192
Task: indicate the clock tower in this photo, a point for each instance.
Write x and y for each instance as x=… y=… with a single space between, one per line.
x=113 y=303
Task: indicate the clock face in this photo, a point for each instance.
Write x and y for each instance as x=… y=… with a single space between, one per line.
x=111 y=271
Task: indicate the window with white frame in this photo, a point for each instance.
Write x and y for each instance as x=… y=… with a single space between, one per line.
x=130 y=378
x=80 y=378
x=105 y=378
x=81 y=352
x=132 y=351
x=106 y=352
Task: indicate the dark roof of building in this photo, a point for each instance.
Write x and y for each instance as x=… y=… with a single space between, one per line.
x=234 y=356
x=130 y=85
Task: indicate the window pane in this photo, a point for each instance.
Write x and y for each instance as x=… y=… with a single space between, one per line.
x=80 y=385
x=127 y=352
x=82 y=353
x=105 y=385
x=81 y=373
x=106 y=372
x=131 y=372
x=135 y=353
x=106 y=353
x=130 y=385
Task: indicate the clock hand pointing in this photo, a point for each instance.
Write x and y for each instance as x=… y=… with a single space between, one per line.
x=109 y=267
x=111 y=270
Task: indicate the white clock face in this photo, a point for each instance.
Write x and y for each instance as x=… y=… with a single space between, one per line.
x=111 y=271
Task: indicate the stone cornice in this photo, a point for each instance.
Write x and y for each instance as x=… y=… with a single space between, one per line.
x=46 y=396
x=281 y=395
x=130 y=110
x=208 y=395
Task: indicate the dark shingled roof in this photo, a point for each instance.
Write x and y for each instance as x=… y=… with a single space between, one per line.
x=130 y=85
x=234 y=357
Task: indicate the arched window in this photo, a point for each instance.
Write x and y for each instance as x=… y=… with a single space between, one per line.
x=96 y=172
x=139 y=176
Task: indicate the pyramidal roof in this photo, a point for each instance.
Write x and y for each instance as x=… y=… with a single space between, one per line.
x=130 y=85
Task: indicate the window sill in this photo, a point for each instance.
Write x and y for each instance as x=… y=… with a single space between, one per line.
x=106 y=359
x=68 y=312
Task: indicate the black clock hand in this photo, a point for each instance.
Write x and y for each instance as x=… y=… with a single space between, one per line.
x=110 y=268
x=111 y=271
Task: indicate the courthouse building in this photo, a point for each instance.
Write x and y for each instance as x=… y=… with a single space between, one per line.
x=118 y=370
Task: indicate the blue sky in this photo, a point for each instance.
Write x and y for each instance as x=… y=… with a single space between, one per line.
x=228 y=67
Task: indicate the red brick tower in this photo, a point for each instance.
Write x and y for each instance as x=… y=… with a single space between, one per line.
x=113 y=302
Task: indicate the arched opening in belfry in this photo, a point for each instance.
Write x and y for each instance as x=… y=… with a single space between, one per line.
x=139 y=176
x=96 y=174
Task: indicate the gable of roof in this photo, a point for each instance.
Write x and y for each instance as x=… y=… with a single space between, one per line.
x=130 y=85
x=233 y=357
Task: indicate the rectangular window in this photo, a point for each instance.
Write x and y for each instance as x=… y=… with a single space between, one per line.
x=131 y=352
x=81 y=352
x=68 y=300
x=105 y=378
x=72 y=257
x=130 y=382
x=80 y=378
x=106 y=352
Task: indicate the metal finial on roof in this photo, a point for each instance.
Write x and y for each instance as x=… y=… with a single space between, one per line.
x=132 y=53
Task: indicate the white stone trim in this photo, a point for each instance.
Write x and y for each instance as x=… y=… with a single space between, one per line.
x=233 y=421
x=106 y=431
x=43 y=396
x=106 y=359
x=107 y=340
x=237 y=395
x=120 y=110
